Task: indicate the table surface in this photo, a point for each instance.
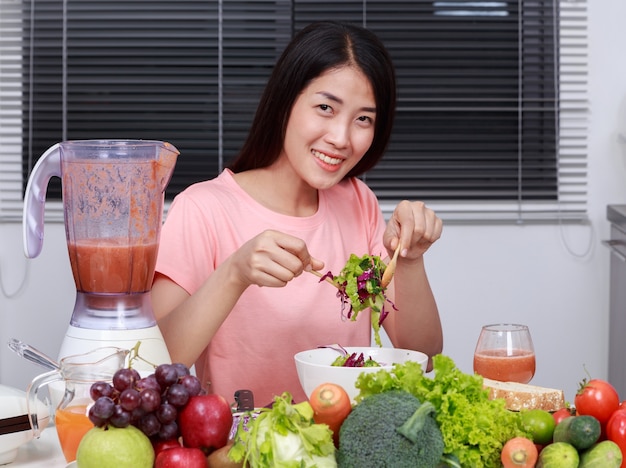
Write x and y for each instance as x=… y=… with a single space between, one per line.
x=45 y=451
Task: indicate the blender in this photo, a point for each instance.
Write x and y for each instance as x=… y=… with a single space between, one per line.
x=113 y=194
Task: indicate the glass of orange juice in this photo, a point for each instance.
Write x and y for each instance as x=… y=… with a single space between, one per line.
x=505 y=352
x=77 y=374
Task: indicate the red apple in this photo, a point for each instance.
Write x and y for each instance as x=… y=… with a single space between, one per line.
x=205 y=422
x=165 y=445
x=181 y=457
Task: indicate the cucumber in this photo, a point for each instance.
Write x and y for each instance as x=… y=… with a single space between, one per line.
x=580 y=431
x=558 y=455
x=605 y=454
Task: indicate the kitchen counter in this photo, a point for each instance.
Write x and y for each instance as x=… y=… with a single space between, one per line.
x=44 y=451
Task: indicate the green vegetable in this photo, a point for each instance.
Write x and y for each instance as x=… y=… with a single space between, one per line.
x=390 y=429
x=284 y=436
x=558 y=455
x=474 y=428
x=605 y=454
x=581 y=431
x=360 y=287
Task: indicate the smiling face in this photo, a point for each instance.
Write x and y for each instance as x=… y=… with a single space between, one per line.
x=330 y=128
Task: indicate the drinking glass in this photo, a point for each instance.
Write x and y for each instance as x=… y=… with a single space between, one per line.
x=505 y=352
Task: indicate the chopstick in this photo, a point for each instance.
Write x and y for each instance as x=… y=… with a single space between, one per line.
x=391 y=268
x=319 y=275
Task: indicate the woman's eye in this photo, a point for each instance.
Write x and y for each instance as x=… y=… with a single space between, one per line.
x=325 y=107
x=365 y=118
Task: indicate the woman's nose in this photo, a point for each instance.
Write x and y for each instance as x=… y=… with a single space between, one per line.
x=338 y=135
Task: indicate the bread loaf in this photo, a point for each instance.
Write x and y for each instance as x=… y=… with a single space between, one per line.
x=524 y=396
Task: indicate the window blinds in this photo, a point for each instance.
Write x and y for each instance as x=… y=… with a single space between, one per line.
x=491 y=121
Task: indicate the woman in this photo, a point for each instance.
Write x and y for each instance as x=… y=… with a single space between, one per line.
x=229 y=293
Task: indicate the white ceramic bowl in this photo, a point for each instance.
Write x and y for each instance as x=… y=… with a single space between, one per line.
x=13 y=403
x=314 y=366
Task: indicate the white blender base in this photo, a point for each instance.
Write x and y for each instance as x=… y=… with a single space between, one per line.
x=152 y=349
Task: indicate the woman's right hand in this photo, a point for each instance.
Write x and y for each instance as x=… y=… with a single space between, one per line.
x=272 y=259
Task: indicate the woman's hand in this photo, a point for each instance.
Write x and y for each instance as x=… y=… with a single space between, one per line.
x=415 y=226
x=272 y=259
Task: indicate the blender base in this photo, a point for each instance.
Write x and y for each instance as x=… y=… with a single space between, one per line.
x=152 y=349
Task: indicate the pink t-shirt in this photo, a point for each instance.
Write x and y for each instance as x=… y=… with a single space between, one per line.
x=254 y=347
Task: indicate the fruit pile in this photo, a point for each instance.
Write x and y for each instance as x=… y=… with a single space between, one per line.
x=591 y=435
x=150 y=403
x=167 y=410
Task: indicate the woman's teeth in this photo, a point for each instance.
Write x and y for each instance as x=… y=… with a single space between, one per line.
x=325 y=158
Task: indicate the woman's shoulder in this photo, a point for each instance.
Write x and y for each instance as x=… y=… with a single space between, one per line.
x=216 y=187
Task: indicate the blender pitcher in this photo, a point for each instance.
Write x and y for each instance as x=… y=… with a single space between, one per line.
x=113 y=194
x=77 y=374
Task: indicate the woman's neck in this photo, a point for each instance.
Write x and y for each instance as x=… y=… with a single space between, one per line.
x=281 y=192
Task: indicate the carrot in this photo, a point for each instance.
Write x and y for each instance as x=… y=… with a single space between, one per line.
x=519 y=452
x=331 y=406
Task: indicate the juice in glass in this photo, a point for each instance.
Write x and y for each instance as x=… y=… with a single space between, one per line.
x=516 y=365
x=72 y=424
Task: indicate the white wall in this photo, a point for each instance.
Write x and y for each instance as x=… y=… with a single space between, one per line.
x=539 y=275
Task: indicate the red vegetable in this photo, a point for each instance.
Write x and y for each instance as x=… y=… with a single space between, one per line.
x=561 y=414
x=616 y=430
x=597 y=398
x=519 y=452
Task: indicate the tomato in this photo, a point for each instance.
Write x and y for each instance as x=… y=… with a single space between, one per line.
x=597 y=398
x=616 y=430
x=622 y=405
x=560 y=415
x=331 y=406
x=539 y=424
x=519 y=452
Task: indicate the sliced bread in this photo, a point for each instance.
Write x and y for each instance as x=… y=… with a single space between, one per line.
x=524 y=396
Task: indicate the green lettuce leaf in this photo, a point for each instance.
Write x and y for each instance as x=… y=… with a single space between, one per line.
x=284 y=436
x=474 y=428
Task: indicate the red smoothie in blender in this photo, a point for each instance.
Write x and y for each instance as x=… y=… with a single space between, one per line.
x=110 y=266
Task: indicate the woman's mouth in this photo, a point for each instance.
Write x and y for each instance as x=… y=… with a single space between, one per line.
x=327 y=159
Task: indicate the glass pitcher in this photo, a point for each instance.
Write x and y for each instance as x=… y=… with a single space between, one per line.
x=76 y=373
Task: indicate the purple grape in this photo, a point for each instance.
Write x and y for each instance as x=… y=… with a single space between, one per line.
x=101 y=411
x=148 y=382
x=129 y=399
x=96 y=420
x=136 y=415
x=177 y=395
x=166 y=413
x=125 y=378
x=150 y=400
x=149 y=425
x=181 y=369
x=169 y=431
x=99 y=389
x=192 y=385
x=166 y=375
x=120 y=418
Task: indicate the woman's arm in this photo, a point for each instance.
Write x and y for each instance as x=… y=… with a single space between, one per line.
x=189 y=322
x=416 y=324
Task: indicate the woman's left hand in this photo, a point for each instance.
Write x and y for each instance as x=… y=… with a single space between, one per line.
x=415 y=226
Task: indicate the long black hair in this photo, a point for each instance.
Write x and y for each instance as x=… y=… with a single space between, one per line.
x=315 y=49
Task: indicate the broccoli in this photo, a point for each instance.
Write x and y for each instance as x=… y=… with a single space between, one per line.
x=390 y=429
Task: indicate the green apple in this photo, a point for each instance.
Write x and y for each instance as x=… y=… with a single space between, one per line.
x=113 y=447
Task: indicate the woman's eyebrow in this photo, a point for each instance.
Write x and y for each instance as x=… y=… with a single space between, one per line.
x=334 y=98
